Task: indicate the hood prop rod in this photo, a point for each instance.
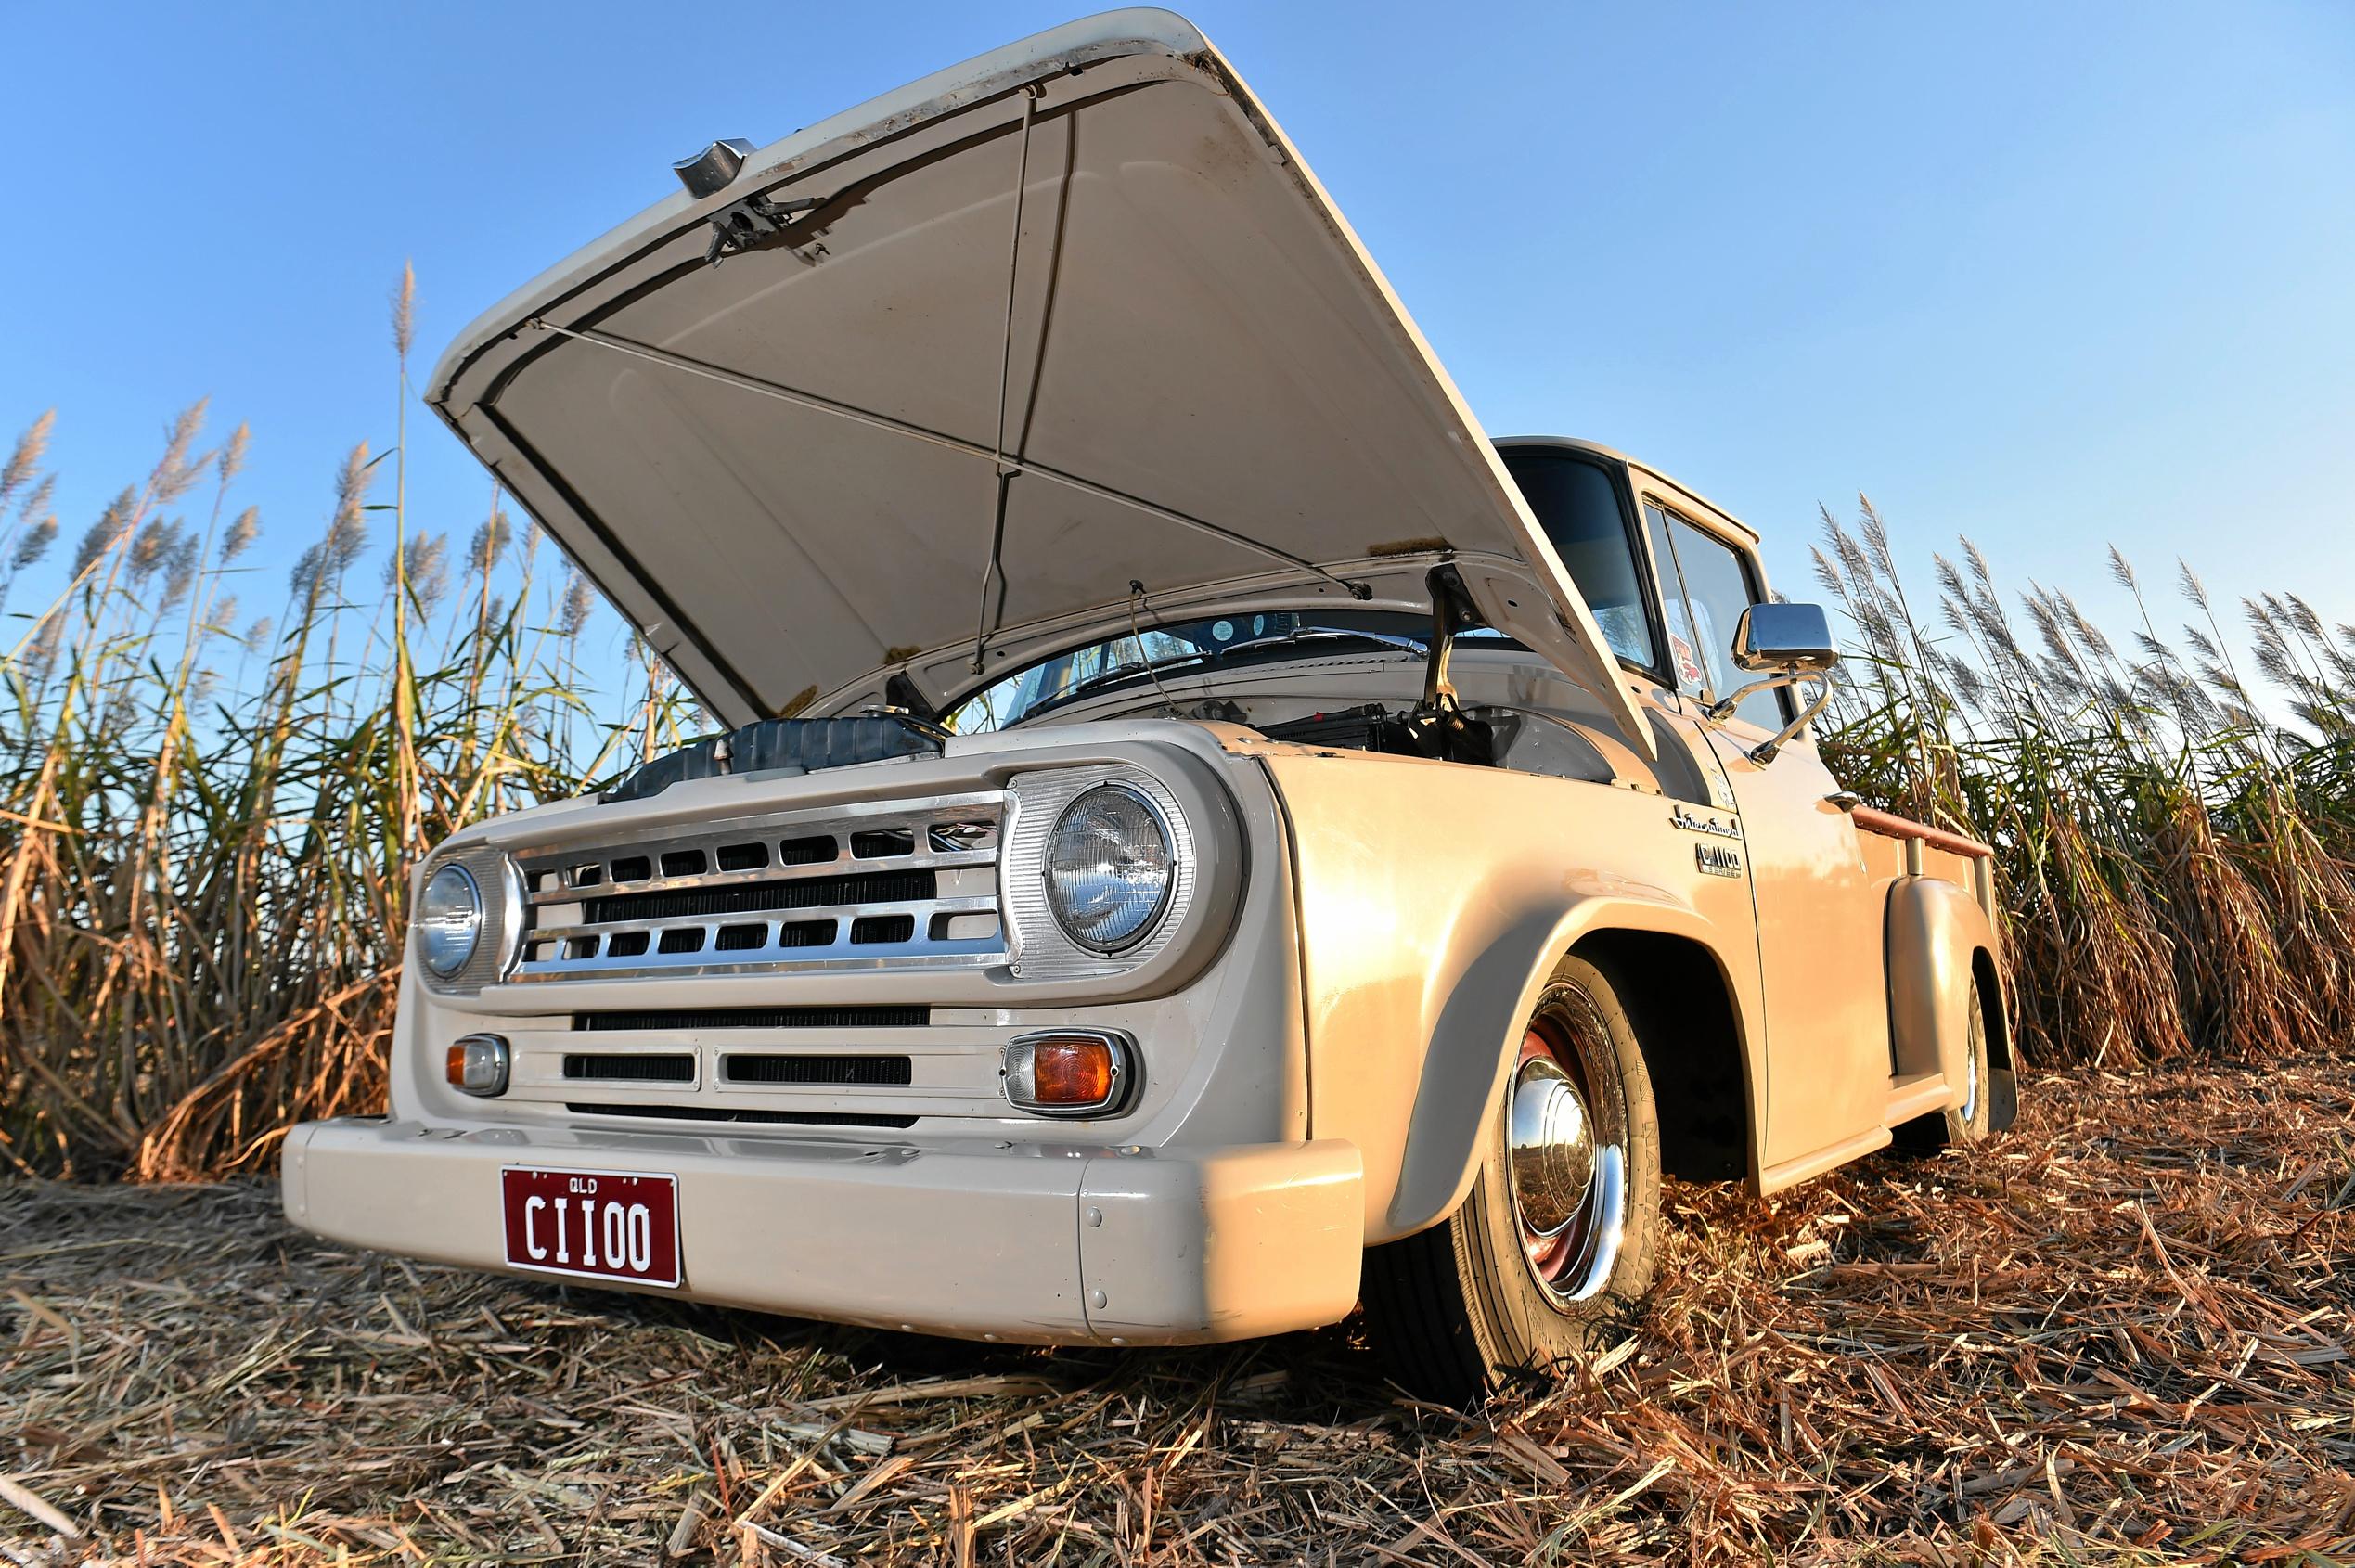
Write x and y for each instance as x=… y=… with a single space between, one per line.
x=872 y=420
x=1002 y=477
x=1439 y=723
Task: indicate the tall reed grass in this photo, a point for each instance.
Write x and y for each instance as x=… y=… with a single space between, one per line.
x=209 y=821
x=2177 y=867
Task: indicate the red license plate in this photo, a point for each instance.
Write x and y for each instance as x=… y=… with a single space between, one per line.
x=604 y=1225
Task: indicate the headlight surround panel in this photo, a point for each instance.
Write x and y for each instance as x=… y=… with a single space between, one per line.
x=1204 y=870
x=500 y=892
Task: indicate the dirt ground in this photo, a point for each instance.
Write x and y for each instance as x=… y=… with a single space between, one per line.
x=2120 y=1334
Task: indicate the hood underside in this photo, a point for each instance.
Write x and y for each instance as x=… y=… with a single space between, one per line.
x=1060 y=339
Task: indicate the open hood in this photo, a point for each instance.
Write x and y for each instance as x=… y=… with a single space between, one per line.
x=1061 y=338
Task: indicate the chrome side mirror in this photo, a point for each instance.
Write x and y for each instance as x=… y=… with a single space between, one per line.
x=1795 y=642
x=1785 y=637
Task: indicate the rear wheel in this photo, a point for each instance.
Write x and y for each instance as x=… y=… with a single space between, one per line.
x=1552 y=1253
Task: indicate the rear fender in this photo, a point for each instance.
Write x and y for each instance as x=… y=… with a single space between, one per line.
x=1937 y=939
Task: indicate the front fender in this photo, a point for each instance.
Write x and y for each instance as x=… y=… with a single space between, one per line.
x=1434 y=900
x=1479 y=1034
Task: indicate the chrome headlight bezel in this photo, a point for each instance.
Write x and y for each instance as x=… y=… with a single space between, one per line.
x=467 y=917
x=1057 y=897
x=498 y=894
x=1207 y=859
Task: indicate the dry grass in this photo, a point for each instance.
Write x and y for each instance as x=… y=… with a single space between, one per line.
x=2121 y=1335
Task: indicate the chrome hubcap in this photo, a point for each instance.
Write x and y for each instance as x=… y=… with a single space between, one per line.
x=1566 y=1160
x=1552 y=1142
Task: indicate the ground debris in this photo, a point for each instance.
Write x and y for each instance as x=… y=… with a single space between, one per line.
x=2121 y=1335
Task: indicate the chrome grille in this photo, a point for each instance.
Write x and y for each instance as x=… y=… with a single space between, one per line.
x=883 y=885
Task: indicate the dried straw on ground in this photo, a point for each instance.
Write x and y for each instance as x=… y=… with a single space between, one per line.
x=2121 y=1334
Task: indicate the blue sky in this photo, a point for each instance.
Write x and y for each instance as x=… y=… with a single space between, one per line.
x=2050 y=276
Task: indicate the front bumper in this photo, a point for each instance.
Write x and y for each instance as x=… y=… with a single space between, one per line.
x=1034 y=1243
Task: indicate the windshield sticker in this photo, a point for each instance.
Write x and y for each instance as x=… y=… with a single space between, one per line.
x=1688 y=670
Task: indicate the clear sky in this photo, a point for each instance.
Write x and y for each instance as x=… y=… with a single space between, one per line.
x=2046 y=275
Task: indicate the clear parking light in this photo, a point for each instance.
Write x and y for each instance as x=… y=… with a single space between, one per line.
x=1110 y=867
x=449 y=919
x=477 y=1064
x=1067 y=1071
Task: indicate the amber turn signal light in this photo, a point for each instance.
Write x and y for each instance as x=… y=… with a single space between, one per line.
x=1067 y=1071
x=477 y=1064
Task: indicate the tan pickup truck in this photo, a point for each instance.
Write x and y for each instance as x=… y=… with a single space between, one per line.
x=1204 y=836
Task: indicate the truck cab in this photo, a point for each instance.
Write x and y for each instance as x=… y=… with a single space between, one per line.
x=1199 y=836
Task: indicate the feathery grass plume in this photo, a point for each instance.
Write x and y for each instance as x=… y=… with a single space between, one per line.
x=101 y=535
x=37 y=499
x=308 y=576
x=151 y=548
x=227 y=464
x=347 y=535
x=178 y=468
x=25 y=456
x=574 y=610
x=490 y=538
x=33 y=543
x=404 y=311
x=428 y=569
x=180 y=570
x=241 y=535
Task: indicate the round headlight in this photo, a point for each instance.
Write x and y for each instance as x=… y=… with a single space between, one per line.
x=449 y=919
x=1109 y=867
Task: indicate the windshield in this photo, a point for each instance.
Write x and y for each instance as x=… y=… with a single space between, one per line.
x=1185 y=647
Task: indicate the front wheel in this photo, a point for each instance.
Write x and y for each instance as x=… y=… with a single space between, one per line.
x=1552 y=1253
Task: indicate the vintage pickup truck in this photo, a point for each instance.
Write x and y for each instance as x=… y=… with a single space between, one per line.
x=1204 y=836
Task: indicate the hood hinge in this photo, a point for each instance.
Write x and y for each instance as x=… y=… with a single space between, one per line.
x=754 y=224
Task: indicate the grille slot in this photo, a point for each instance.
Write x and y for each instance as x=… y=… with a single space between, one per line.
x=761 y=1067
x=632 y=1069
x=722 y=1113
x=743 y=857
x=755 y=1018
x=870 y=929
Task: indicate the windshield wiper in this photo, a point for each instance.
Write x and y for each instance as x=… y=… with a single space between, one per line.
x=1315 y=634
x=1153 y=668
